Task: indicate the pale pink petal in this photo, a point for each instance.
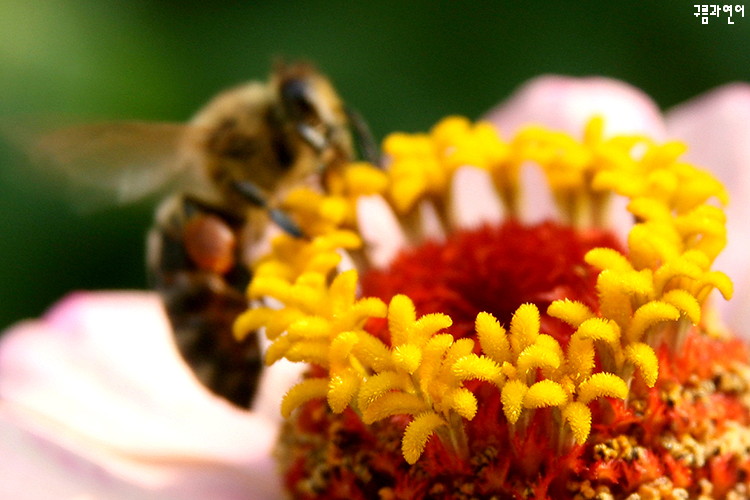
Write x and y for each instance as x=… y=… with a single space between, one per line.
x=35 y=468
x=101 y=375
x=473 y=199
x=383 y=235
x=275 y=381
x=716 y=127
x=567 y=103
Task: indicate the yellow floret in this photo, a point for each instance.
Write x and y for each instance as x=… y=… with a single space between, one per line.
x=492 y=337
x=570 y=311
x=417 y=433
x=601 y=385
x=537 y=356
x=608 y=258
x=377 y=385
x=363 y=179
x=401 y=316
x=463 y=402
x=303 y=392
x=342 y=387
x=393 y=403
x=599 y=329
x=427 y=326
x=251 y=320
x=686 y=303
x=643 y=357
x=512 y=396
x=648 y=315
x=545 y=393
x=477 y=367
x=407 y=357
x=524 y=326
x=578 y=417
x=580 y=357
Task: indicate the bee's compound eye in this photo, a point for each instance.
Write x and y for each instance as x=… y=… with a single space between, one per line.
x=210 y=243
x=296 y=100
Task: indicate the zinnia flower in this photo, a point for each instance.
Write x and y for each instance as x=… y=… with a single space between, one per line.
x=96 y=400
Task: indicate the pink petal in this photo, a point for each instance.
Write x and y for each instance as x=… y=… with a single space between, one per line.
x=473 y=199
x=379 y=227
x=35 y=468
x=567 y=103
x=716 y=127
x=100 y=375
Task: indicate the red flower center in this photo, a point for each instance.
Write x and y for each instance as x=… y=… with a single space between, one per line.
x=494 y=269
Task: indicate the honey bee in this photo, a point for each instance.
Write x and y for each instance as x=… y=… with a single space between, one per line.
x=233 y=161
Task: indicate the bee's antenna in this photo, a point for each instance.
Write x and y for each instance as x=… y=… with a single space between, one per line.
x=366 y=143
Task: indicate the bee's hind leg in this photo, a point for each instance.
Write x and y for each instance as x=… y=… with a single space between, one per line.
x=203 y=293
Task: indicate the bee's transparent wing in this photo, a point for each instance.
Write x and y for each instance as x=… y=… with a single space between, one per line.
x=108 y=163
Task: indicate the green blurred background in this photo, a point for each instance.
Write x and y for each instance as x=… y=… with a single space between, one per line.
x=403 y=64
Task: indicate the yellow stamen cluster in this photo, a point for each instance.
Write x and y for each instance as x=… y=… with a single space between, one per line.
x=651 y=295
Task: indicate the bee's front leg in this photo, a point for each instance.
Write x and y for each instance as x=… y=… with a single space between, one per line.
x=255 y=196
x=194 y=262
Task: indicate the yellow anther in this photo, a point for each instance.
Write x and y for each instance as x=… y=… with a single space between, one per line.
x=476 y=367
x=643 y=357
x=377 y=385
x=308 y=351
x=459 y=349
x=537 y=356
x=372 y=352
x=463 y=402
x=648 y=315
x=313 y=388
x=393 y=403
x=341 y=389
x=685 y=302
x=720 y=281
x=407 y=357
x=512 y=396
x=363 y=179
x=570 y=311
x=401 y=316
x=599 y=329
x=601 y=385
x=343 y=290
x=545 y=393
x=341 y=348
x=580 y=357
x=608 y=258
x=309 y=327
x=417 y=433
x=578 y=417
x=251 y=320
x=492 y=337
x=427 y=326
x=524 y=327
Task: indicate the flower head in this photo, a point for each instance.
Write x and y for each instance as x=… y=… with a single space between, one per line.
x=478 y=345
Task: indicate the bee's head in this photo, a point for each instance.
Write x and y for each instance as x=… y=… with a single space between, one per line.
x=308 y=102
